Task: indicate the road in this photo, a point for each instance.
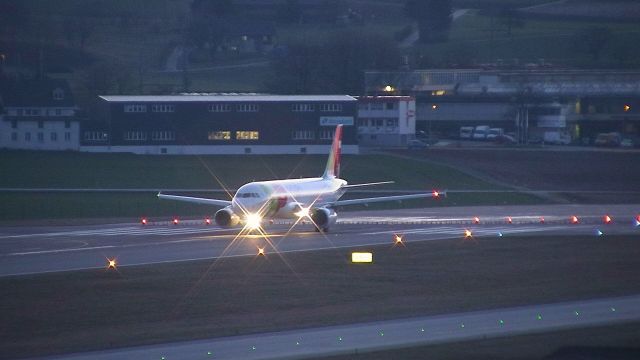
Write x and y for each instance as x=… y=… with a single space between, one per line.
x=31 y=250
x=363 y=337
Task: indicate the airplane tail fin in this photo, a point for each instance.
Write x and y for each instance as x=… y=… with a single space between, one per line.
x=333 y=163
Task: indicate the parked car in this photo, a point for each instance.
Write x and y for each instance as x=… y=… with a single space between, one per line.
x=494 y=133
x=505 y=140
x=556 y=138
x=611 y=139
x=481 y=132
x=627 y=143
x=466 y=132
x=417 y=145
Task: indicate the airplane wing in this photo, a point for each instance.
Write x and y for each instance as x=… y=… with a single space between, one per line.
x=214 y=202
x=433 y=194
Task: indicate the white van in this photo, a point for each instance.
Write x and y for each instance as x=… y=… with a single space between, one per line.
x=466 y=132
x=494 y=133
x=481 y=132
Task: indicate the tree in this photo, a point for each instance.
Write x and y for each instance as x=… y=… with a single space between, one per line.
x=433 y=18
x=594 y=40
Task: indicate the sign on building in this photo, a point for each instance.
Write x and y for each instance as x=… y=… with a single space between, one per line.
x=336 y=120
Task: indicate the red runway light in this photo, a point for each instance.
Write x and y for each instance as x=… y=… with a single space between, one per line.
x=176 y=221
x=143 y=221
x=207 y=221
x=509 y=220
x=476 y=220
x=607 y=219
x=574 y=219
x=436 y=194
x=541 y=220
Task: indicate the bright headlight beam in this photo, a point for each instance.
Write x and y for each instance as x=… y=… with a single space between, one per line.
x=303 y=212
x=253 y=221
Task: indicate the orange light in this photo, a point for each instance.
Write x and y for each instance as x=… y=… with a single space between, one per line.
x=398 y=239
x=176 y=221
x=607 y=219
x=626 y=107
x=467 y=233
x=112 y=264
x=509 y=220
x=143 y=221
x=260 y=251
x=207 y=221
x=574 y=219
x=476 y=220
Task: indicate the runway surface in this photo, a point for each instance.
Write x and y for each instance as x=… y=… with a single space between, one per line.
x=31 y=250
x=358 y=338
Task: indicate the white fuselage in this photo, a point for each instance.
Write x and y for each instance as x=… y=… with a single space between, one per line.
x=285 y=198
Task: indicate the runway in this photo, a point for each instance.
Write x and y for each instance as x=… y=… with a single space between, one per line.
x=32 y=250
x=363 y=337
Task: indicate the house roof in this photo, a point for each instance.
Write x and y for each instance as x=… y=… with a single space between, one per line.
x=224 y=98
x=37 y=93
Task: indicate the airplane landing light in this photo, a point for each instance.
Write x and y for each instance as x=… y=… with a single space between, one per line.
x=112 y=263
x=253 y=221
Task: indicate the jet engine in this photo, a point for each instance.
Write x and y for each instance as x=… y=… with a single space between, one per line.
x=226 y=218
x=323 y=218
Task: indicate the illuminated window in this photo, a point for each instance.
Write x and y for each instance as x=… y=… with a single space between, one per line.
x=331 y=107
x=247 y=135
x=304 y=135
x=302 y=107
x=95 y=136
x=135 y=136
x=130 y=108
x=163 y=135
x=219 y=135
x=163 y=108
x=219 y=107
x=247 y=107
x=438 y=93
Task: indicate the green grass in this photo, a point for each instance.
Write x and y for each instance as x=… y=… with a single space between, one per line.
x=127 y=171
x=98 y=309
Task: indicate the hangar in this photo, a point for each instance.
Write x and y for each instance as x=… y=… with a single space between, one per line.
x=221 y=124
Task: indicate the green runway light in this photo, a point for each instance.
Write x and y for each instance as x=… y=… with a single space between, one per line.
x=501 y=322
x=613 y=309
x=339 y=338
x=577 y=313
x=462 y=325
x=381 y=333
x=162 y=358
x=297 y=342
x=421 y=329
x=539 y=317
x=209 y=353
x=253 y=347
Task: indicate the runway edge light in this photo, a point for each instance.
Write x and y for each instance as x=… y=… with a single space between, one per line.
x=361 y=257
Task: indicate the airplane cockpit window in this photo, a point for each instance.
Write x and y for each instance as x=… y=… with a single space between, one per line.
x=248 y=195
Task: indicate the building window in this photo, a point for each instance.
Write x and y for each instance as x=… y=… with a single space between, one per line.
x=392 y=122
x=331 y=107
x=31 y=112
x=67 y=136
x=219 y=135
x=302 y=107
x=219 y=107
x=363 y=122
x=14 y=124
x=58 y=94
x=58 y=112
x=40 y=137
x=130 y=108
x=376 y=106
x=94 y=136
x=135 y=136
x=389 y=106
x=247 y=107
x=247 y=135
x=67 y=124
x=54 y=136
x=326 y=134
x=27 y=136
x=163 y=135
x=303 y=150
x=304 y=135
x=40 y=124
x=14 y=136
x=163 y=108
x=363 y=106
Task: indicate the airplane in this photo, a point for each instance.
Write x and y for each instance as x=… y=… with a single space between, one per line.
x=313 y=198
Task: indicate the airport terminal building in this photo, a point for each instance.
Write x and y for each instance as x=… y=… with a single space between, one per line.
x=221 y=124
x=529 y=102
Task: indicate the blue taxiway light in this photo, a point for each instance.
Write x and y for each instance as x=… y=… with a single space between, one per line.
x=598 y=232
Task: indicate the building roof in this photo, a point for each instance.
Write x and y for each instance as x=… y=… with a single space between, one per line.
x=224 y=98
x=37 y=93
